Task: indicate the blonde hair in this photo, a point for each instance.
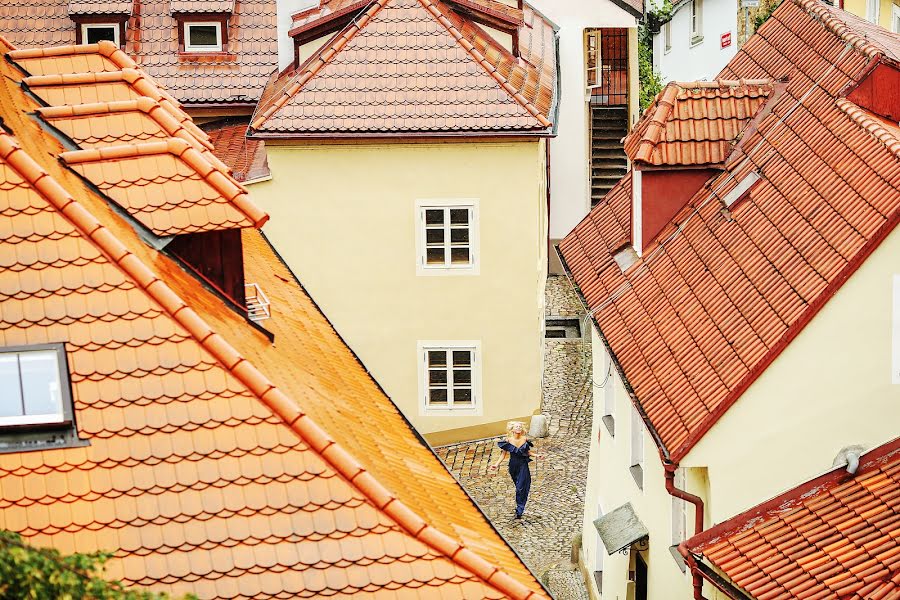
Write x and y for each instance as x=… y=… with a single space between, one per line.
x=512 y=424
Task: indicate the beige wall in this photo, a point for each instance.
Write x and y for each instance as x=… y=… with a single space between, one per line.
x=344 y=218
x=830 y=388
x=860 y=8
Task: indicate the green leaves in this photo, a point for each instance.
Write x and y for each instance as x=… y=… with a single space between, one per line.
x=29 y=573
x=650 y=80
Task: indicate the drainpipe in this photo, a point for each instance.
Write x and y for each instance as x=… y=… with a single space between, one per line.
x=698 y=526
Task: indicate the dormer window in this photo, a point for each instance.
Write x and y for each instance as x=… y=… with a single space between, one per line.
x=203 y=36
x=92 y=33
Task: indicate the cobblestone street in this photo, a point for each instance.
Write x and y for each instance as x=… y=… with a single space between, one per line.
x=543 y=538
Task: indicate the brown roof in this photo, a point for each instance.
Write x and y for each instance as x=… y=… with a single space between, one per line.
x=235 y=77
x=246 y=158
x=697 y=319
x=376 y=77
x=695 y=123
x=201 y=6
x=837 y=536
x=101 y=7
x=202 y=473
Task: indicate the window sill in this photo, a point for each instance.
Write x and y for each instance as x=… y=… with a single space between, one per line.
x=637 y=472
x=696 y=40
x=610 y=423
x=451 y=412
x=218 y=54
x=448 y=271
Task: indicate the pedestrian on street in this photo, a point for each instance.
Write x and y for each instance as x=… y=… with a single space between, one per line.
x=518 y=447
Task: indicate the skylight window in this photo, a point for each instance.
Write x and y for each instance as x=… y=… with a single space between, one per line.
x=203 y=36
x=32 y=390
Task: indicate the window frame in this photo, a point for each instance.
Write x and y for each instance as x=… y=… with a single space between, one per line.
x=422 y=349
x=695 y=21
x=667 y=36
x=447 y=204
x=115 y=26
x=220 y=35
x=593 y=34
x=895 y=18
x=65 y=390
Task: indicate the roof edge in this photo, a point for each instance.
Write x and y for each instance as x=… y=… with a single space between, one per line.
x=864 y=119
x=255 y=381
x=839 y=28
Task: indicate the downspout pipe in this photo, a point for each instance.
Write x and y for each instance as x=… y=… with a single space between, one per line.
x=696 y=575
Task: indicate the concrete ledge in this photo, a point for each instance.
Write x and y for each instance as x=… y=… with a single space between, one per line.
x=473 y=432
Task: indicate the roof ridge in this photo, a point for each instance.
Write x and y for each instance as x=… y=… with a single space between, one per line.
x=665 y=104
x=839 y=28
x=183 y=150
x=870 y=124
x=318 y=61
x=255 y=381
x=432 y=7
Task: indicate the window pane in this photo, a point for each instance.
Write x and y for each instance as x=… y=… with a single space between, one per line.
x=462 y=376
x=462 y=358
x=462 y=396
x=434 y=217
x=459 y=256
x=40 y=382
x=437 y=377
x=434 y=236
x=11 y=399
x=437 y=358
x=459 y=235
x=97 y=34
x=459 y=216
x=437 y=397
x=434 y=256
x=203 y=35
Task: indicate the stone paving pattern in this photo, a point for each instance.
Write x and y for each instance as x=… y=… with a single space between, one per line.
x=553 y=516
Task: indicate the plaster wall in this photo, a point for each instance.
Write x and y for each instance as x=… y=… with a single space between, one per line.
x=697 y=61
x=569 y=151
x=344 y=218
x=830 y=388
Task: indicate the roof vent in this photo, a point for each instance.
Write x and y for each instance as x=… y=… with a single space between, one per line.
x=257 y=303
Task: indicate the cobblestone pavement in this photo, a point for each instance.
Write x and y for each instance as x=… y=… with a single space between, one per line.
x=543 y=538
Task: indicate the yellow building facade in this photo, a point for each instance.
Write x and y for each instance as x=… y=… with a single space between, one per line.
x=883 y=12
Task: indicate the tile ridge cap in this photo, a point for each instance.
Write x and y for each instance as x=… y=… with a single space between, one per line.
x=432 y=7
x=254 y=380
x=652 y=135
x=865 y=120
x=317 y=62
x=817 y=10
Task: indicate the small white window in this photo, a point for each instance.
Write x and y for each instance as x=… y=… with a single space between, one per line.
x=696 y=21
x=31 y=388
x=92 y=33
x=450 y=377
x=873 y=10
x=204 y=36
x=667 y=35
x=637 y=447
x=447 y=237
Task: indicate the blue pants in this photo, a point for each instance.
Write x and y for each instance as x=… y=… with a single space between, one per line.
x=521 y=476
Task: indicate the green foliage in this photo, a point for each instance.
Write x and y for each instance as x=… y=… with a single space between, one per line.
x=764 y=13
x=650 y=80
x=43 y=573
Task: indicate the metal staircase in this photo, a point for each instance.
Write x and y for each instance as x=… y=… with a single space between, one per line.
x=609 y=124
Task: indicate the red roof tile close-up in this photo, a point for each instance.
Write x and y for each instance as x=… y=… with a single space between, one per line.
x=246 y=158
x=212 y=461
x=234 y=77
x=837 y=536
x=739 y=271
x=414 y=66
x=101 y=7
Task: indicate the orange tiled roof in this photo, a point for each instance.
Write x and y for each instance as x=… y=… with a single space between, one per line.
x=837 y=536
x=202 y=474
x=201 y=6
x=699 y=317
x=446 y=74
x=235 y=77
x=246 y=158
x=493 y=8
x=100 y=7
x=696 y=123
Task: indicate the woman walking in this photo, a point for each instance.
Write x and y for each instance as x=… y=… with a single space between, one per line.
x=518 y=447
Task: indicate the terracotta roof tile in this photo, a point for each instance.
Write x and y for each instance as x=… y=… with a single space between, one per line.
x=100 y=7
x=204 y=475
x=837 y=536
x=201 y=6
x=696 y=320
x=473 y=83
x=696 y=123
x=246 y=158
x=236 y=76
x=493 y=8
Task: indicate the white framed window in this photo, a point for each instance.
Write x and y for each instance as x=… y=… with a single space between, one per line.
x=31 y=381
x=91 y=33
x=450 y=377
x=696 y=21
x=895 y=18
x=593 y=58
x=447 y=237
x=873 y=10
x=203 y=36
x=637 y=447
x=667 y=36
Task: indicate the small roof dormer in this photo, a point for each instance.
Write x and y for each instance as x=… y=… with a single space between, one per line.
x=100 y=20
x=202 y=26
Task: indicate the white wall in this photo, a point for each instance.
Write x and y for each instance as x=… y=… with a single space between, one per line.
x=286 y=8
x=703 y=60
x=570 y=185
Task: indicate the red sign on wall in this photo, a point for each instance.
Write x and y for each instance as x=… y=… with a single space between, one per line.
x=726 y=39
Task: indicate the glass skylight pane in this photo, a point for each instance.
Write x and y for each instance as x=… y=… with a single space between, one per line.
x=11 y=398
x=40 y=383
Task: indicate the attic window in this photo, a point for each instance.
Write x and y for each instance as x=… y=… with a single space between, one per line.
x=203 y=36
x=92 y=33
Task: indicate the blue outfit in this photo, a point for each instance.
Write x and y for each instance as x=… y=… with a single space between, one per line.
x=519 y=471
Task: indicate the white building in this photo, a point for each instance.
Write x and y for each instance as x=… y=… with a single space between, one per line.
x=698 y=41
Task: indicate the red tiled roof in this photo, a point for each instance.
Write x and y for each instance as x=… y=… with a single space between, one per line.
x=837 y=536
x=202 y=474
x=695 y=123
x=201 y=6
x=492 y=8
x=236 y=76
x=246 y=158
x=695 y=321
x=415 y=66
x=100 y=7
